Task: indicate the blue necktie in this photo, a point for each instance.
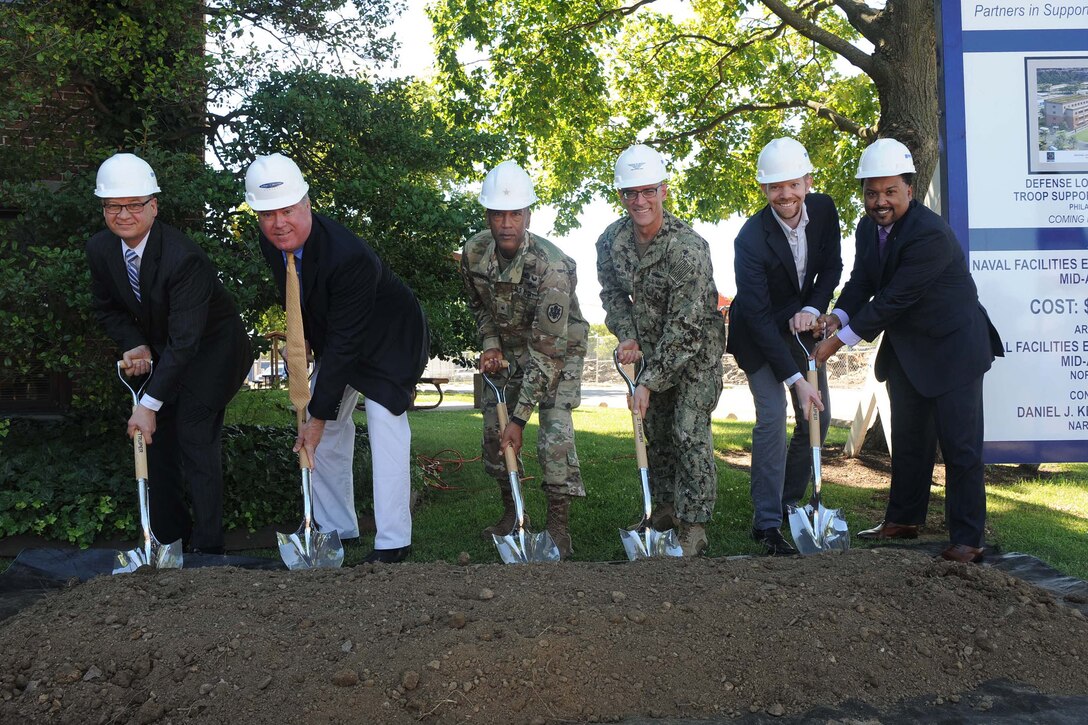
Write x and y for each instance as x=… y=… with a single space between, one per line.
x=132 y=261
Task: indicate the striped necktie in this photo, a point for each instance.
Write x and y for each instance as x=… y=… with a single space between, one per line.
x=132 y=261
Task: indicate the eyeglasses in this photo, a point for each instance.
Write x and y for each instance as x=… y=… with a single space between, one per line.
x=632 y=194
x=133 y=208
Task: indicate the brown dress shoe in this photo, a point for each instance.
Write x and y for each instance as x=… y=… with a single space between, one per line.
x=962 y=553
x=889 y=530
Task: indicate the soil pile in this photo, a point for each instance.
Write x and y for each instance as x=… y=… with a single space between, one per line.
x=711 y=638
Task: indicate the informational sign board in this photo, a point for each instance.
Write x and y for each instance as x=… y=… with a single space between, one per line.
x=1015 y=187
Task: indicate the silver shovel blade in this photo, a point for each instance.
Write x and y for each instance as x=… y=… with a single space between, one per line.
x=642 y=542
x=324 y=551
x=160 y=556
x=521 y=546
x=818 y=530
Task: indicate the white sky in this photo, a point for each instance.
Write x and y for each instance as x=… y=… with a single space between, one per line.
x=416 y=58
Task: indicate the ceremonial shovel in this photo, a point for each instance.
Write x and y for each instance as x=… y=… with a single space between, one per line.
x=815 y=528
x=150 y=552
x=520 y=546
x=309 y=547
x=642 y=541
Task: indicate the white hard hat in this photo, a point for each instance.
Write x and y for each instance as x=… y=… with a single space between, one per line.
x=885 y=157
x=506 y=188
x=639 y=165
x=782 y=159
x=124 y=175
x=274 y=182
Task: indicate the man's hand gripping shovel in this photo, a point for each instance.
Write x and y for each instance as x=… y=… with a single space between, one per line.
x=816 y=529
x=520 y=546
x=150 y=552
x=642 y=541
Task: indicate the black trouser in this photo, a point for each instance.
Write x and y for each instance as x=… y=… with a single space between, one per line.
x=918 y=423
x=187 y=447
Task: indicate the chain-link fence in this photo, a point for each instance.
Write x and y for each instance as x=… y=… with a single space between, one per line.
x=846 y=369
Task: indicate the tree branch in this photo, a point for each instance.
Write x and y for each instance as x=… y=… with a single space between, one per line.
x=862 y=17
x=615 y=12
x=814 y=32
x=844 y=124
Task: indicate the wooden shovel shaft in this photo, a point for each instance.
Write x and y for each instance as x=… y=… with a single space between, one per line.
x=508 y=452
x=640 y=440
x=814 y=413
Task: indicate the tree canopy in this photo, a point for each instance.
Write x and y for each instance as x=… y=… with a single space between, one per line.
x=572 y=83
x=170 y=79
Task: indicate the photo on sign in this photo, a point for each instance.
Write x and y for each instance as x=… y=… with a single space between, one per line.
x=1057 y=99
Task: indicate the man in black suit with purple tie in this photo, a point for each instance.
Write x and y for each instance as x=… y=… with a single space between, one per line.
x=911 y=281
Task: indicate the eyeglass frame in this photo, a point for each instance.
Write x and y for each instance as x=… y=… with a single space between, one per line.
x=647 y=194
x=115 y=209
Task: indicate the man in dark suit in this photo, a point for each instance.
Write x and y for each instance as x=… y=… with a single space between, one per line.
x=787 y=261
x=155 y=292
x=911 y=282
x=368 y=334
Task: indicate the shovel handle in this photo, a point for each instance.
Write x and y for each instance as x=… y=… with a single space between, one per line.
x=814 y=413
x=124 y=364
x=640 y=440
x=139 y=451
x=508 y=452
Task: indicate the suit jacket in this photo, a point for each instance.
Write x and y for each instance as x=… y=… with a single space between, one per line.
x=364 y=325
x=922 y=297
x=768 y=294
x=199 y=344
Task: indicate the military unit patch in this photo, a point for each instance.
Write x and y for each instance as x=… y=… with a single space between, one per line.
x=555 y=312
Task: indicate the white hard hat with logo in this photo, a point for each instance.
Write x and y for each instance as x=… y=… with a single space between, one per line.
x=639 y=165
x=124 y=175
x=507 y=188
x=885 y=157
x=782 y=159
x=274 y=182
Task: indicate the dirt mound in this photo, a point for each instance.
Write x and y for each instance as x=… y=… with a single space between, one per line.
x=531 y=644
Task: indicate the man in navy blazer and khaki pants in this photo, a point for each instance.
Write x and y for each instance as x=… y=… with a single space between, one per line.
x=787 y=260
x=369 y=335
x=155 y=292
x=911 y=282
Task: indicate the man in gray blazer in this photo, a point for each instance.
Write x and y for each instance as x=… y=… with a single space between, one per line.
x=787 y=265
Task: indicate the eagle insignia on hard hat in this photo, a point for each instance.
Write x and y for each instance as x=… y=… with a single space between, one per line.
x=638 y=166
x=555 y=312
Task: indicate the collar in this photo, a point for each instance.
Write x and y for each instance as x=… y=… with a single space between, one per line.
x=139 y=248
x=800 y=229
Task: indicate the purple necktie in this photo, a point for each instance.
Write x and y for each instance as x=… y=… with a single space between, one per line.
x=882 y=234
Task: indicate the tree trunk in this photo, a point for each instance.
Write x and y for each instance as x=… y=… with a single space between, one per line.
x=905 y=74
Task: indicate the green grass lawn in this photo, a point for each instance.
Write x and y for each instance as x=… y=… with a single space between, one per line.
x=1045 y=518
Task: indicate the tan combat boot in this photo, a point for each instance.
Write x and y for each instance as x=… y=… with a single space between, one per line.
x=663 y=517
x=692 y=539
x=505 y=524
x=559 y=523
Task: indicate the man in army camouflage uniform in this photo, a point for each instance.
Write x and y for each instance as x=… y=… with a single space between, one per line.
x=520 y=288
x=658 y=292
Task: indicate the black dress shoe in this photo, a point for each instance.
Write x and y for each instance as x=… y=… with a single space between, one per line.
x=773 y=542
x=388 y=556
